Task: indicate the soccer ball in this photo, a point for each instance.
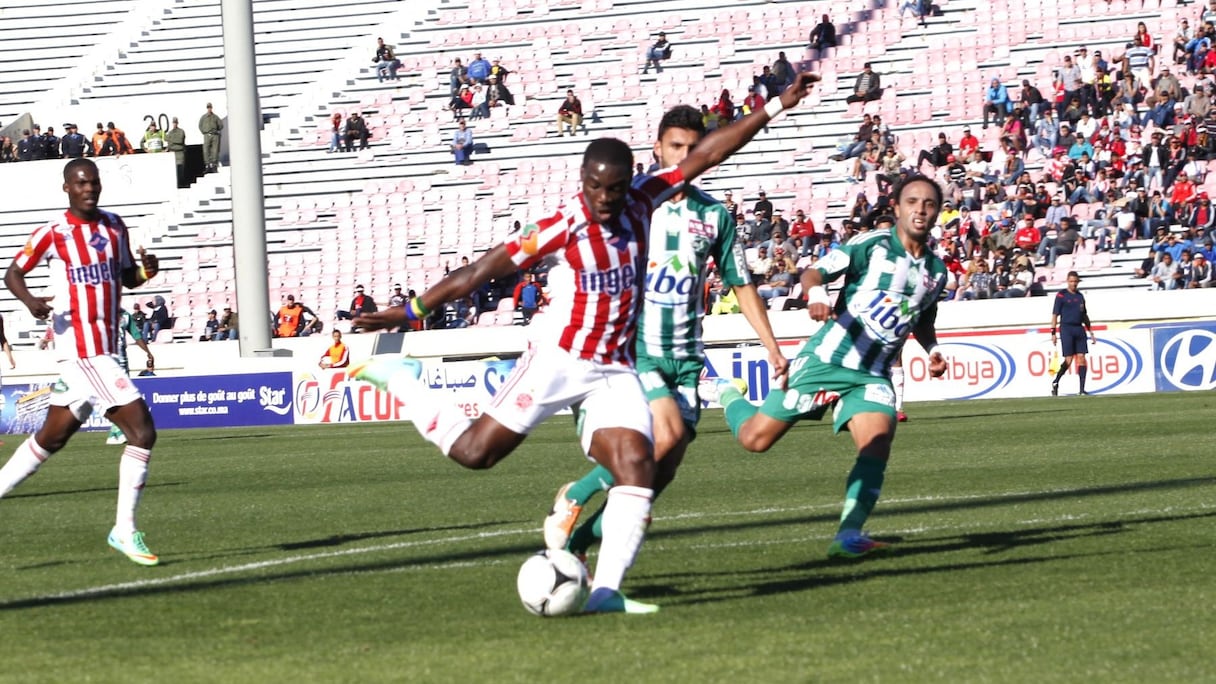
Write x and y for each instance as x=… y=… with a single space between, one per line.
x=553 y=583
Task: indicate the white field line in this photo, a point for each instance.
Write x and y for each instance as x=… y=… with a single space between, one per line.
x=260 y=565
x=304 y=558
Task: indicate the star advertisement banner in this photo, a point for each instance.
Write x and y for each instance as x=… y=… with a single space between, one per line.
x=204 y=401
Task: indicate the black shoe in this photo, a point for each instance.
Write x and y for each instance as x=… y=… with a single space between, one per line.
x=1083 y=393
x=1055 y=389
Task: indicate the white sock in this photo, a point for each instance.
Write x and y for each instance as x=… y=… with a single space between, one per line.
x=626 y=517
x=442 y=424
x=897 y=383
x=132 y=473
x=438 y=421
x=23 y=463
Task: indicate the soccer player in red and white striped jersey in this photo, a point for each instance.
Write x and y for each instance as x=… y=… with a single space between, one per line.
x=593 y=295
x=581 y=351
x=88 y=252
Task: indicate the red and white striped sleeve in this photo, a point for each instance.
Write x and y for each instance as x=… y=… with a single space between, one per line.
x=539 y=239
x=35 y=248
x=125 y=256
x=660 y=186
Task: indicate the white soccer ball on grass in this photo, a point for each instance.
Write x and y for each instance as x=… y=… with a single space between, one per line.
x=553 y=583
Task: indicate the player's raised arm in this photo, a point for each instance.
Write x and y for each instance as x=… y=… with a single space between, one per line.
x=725 y=141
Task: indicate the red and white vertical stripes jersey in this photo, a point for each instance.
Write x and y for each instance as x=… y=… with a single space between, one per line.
x=86 y=261
x=595 y=287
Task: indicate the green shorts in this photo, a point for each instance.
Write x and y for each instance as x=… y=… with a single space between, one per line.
x=815 y=386
x=675 y=378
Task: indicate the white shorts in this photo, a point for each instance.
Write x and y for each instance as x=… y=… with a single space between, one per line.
x=97 y=381
x=548 y=379
x=1144 y=77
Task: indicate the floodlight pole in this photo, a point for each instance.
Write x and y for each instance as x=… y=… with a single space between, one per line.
x=245 y=159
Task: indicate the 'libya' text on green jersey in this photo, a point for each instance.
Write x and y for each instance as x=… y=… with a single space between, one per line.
x=683 y=235
x=886 y=292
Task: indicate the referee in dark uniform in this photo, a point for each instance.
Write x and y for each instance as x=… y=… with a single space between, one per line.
x=1073 y=320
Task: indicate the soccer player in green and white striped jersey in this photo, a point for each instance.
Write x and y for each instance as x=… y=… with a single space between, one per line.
x=126 y=326
x=892 y=282
x=686 y=232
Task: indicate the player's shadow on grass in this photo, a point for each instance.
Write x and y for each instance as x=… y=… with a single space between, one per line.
x=335 y=541
x=824 y=571
x=91 y=490
x=181 y=437
x=987 y=414
x=917 y=508
x=340 y=539
x=191 y=582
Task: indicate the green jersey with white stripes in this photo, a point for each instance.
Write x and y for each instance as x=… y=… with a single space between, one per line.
x=683 y=236
x=886 y=293
x=126 y=326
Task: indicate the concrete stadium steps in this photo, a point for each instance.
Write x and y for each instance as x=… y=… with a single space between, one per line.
x=322 y=208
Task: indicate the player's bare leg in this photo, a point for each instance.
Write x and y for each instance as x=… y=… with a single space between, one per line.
x=628 y=455
x=475 y=444
x=483 y=444
x=758 y=432
x=872 y=435
x=54 y=434
x=135 y=421
x=671 y=441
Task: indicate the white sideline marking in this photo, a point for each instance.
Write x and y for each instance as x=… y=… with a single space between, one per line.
x=258 y=565
x=303 y=558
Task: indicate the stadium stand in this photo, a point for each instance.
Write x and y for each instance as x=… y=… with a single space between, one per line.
x=398 y=211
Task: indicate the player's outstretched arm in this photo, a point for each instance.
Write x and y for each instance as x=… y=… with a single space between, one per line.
x=925 y=331
x=725 y=141
x=462 y=282
x=14 y=279
x=756 y=314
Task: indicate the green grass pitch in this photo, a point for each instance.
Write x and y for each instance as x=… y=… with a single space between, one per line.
x=1043 y=540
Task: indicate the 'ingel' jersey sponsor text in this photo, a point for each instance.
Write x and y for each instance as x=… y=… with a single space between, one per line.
x=595 y=286
x=86 y=262
x=611 y=282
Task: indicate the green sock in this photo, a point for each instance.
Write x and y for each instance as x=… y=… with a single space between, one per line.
x=861 y=493
x=114 y=431
x=598 y=480
x=737 y=410
x=589 y=533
